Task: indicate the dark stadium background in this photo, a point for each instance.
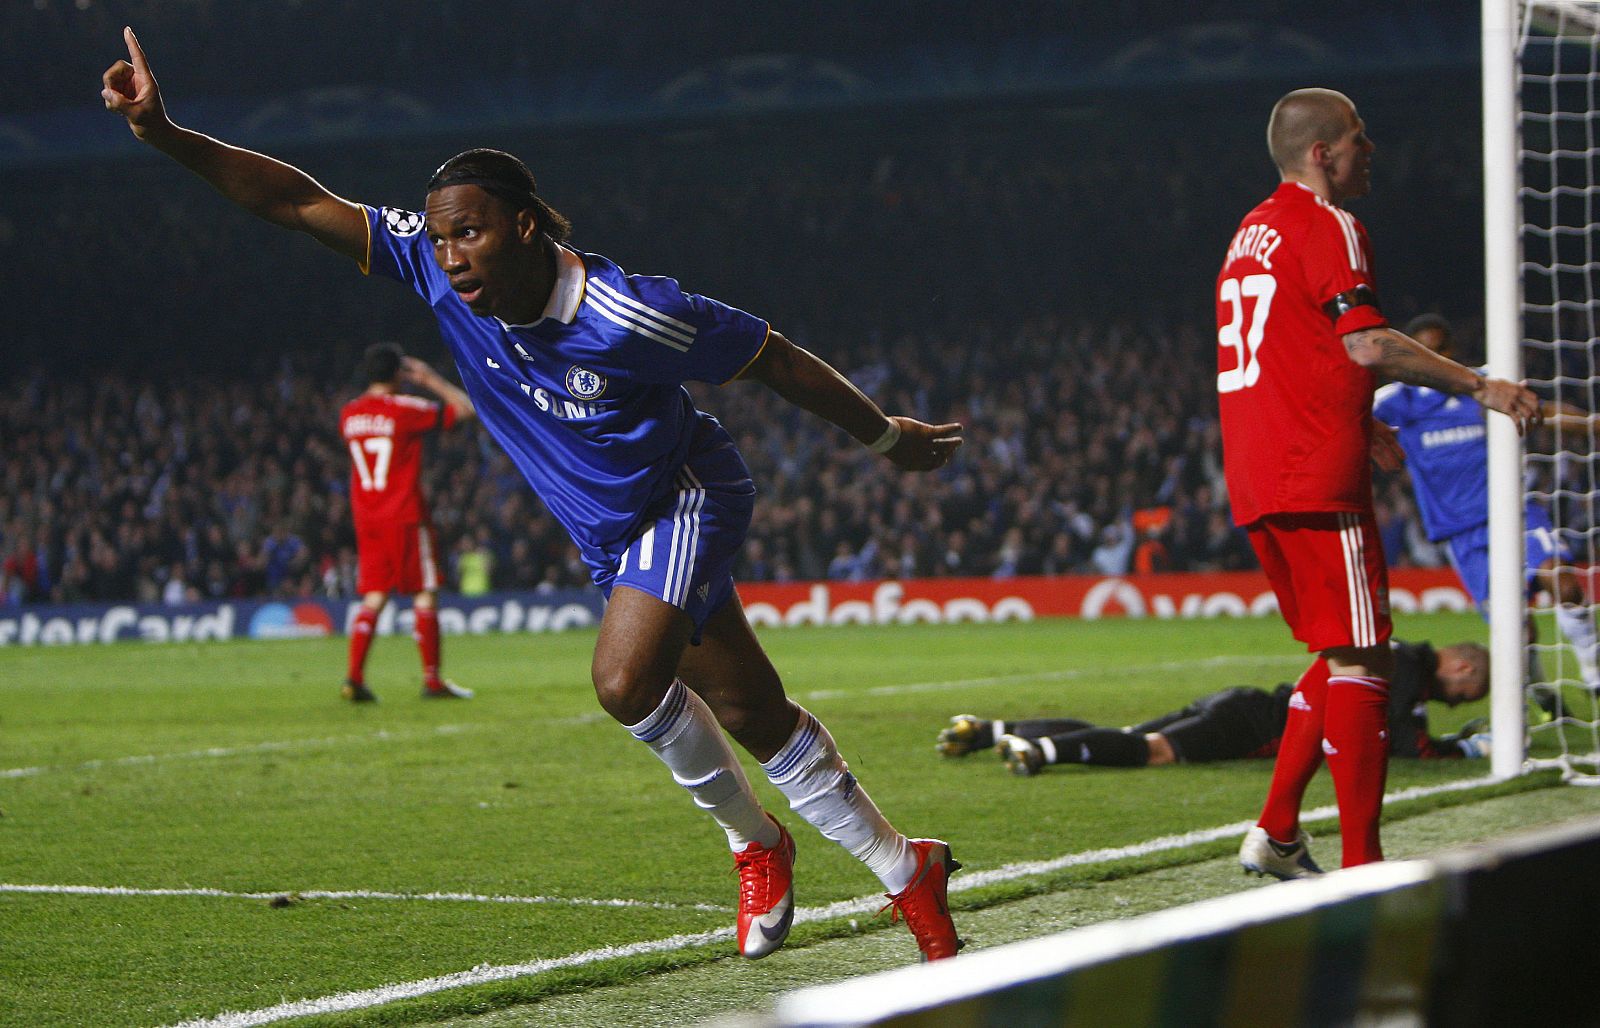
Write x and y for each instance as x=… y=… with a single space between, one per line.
x=1009 y=215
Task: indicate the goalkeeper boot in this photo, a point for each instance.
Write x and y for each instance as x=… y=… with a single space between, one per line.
x=357 y=692
x=766 y=894
x=925 y=902
x=1022 y=756
x=1263 y=855
x=445 y=690
x=965 y=735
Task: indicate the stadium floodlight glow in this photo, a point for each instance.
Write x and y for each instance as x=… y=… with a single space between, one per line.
x=1541 y=138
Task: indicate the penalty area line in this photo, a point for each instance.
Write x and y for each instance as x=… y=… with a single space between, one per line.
x=276 y=746
x=218 y=752
x=485 y=973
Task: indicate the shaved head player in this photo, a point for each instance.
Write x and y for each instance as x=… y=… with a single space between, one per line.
x=577 y=369
x=1301 y=340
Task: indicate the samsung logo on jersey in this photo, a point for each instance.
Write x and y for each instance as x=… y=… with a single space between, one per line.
x=358 y=425
x=1452 y=436
x=566 y=410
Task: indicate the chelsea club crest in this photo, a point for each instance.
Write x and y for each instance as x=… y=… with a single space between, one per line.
x=585 y=384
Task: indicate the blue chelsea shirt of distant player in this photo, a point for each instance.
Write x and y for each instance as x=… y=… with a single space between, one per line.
x=1447 y=452
x=588 y=401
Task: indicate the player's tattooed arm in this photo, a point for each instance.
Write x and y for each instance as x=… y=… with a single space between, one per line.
x=1397 y=356
x=809 y=382
x=268 y=188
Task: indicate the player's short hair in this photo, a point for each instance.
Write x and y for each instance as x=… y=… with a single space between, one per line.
x=381 y=362
x=1304 y=117
x=1477 y=657
x=1422 y=322
x=507 y=179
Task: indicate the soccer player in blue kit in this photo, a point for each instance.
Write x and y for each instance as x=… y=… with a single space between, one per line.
x=577 y=369
x=1446 y=447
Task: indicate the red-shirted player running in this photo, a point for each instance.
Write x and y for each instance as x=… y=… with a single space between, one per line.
x=1301 y=340
x=383 y=430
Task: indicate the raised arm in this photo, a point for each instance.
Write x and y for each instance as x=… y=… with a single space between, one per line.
x=267 y=188
x=420 y=373
x=809 y=382
x=1396 y=355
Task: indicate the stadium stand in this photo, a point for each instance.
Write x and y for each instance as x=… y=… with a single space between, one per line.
x=1037 y=270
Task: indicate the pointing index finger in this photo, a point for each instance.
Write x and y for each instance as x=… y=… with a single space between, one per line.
x=135 y=51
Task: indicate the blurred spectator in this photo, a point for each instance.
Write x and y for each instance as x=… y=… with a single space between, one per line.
x=474 y=564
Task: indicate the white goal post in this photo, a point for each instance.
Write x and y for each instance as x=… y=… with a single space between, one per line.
x=1541 y=159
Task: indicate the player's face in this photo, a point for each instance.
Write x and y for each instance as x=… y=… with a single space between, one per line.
x=1435 y=339
x=1462 y=684
x=1349 y=161
x=479 y=242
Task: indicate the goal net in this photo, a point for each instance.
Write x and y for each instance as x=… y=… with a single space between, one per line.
x=1556 y=185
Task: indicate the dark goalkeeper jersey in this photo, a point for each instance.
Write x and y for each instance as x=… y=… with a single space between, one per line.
x=1415 y=667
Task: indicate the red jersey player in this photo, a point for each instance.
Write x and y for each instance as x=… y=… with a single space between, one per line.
x=1301 y=341
x=383 y=430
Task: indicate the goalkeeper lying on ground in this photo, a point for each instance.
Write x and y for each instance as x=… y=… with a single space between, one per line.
x=1238 y=723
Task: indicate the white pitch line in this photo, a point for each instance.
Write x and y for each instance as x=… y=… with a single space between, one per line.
x=1027 y=869
x=275 y=746
x=476 y=976
x=214 y=752
x=484 y=973
x=815 y=694
x=1061 y=675
x=340 y=894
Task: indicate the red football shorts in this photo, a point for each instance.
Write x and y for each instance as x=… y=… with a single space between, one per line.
x=1329 y=575
x=396 y=558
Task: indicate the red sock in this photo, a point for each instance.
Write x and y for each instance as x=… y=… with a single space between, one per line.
x=1299 y=754
x=360 y=641
x=1356 y=730
x=427 y=636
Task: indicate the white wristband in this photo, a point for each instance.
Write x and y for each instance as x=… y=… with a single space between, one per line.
x=884 y=443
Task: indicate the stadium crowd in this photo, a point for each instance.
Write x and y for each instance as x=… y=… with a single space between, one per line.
x=186 y=488
x=1033 y=278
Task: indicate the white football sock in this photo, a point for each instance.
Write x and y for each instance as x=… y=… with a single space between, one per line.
x=822 y=790
x=683 y=732
x=1578 y=626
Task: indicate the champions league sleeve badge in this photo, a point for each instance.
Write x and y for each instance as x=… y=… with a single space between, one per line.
x=585 y=384
x=402 y=223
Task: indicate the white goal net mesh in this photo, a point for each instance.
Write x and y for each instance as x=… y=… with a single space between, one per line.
x=1558 y=78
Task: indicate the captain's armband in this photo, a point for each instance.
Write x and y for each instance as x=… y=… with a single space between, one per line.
x=1349 y=300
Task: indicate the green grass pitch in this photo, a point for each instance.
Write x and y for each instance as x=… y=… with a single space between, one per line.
x=235 y=767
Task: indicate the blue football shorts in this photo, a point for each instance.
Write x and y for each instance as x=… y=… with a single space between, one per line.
x=1469 y=552
x=688 y=540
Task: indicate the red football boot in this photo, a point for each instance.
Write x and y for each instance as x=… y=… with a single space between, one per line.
x=924 y=902
x=766 y=894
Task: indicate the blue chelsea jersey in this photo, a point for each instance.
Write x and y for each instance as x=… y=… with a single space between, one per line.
x=588 y=401
x=1447 y=451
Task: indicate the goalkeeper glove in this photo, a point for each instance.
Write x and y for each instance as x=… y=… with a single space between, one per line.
x=1475 y=745
x=1471 y=728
